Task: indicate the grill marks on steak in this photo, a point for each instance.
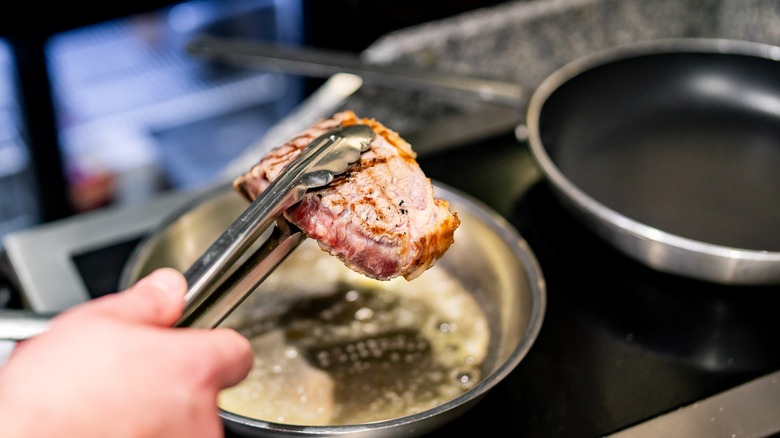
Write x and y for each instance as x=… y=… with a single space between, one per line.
x=380 y=218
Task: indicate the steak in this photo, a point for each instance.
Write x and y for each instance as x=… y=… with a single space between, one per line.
x=380 y=217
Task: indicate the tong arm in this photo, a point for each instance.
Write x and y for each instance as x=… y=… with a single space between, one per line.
x=326 y=156
x=284 y=238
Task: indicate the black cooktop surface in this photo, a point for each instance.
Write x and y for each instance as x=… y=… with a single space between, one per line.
x=620 y=343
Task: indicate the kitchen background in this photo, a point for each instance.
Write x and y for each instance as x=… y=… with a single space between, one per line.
x=130 y=116
x=100 y=105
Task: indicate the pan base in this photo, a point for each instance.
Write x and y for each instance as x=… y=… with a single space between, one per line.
x=711 y=177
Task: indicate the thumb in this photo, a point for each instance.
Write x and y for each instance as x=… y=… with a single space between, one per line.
x=156 y=299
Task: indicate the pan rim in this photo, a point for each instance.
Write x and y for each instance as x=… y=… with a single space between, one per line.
x=732 y=265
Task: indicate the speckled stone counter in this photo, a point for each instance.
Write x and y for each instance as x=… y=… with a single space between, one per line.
x=522 y=42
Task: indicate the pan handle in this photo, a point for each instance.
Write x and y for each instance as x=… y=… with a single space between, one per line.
x=324 y=63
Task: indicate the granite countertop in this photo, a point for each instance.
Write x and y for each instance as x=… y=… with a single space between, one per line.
x=522 y=42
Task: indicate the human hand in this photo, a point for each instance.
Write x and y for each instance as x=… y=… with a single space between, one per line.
x=113 y=366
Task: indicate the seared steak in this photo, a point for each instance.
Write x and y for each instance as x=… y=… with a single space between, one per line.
x=380 y=218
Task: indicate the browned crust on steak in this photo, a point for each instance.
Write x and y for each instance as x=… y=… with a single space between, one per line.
x=380 y=217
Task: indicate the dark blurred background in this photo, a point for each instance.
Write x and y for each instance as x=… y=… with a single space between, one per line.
x=100 y=106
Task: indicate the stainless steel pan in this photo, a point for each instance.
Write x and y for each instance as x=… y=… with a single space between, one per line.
x=489 y=259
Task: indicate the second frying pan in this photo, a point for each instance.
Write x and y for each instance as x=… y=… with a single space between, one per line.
x=670 y=150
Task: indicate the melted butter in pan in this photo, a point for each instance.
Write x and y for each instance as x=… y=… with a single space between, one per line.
x=333 y=347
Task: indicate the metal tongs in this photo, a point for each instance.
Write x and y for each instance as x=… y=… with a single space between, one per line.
x=229 y=270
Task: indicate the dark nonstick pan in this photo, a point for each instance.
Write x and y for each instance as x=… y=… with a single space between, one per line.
x=670 y=150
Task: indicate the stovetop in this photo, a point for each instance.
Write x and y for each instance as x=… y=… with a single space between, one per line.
x=620 y=343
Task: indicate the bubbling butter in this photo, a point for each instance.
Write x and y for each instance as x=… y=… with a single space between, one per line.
x=333 y=347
